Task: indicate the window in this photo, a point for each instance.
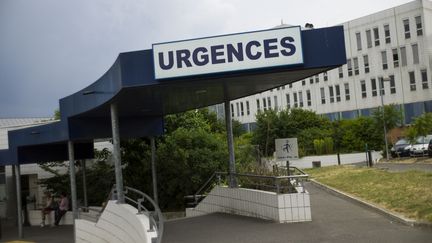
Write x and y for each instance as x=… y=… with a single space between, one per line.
x=356 y=66
x=275 y=102
x=323 y=101
x=374 y=87
x=403 y=56
x=340 y=72
x=406 y=28
x=412 y=81
x=247 y=108
x=368 y=38
x=295 y=100
x=303 y=82
x=349 y=67
x=376 y=36
x=392 y=84
x=241 y=109
x=264 y=104
x=290 y=86
x=358 y=38
x=325 y=76
x=395 y=58
x=366 y=63
x=269 y=103
x=232 y=110
x=363 y=88
x=331 y=93
x=300 y=95
x=258 y=104
x=382 y=90
x=288 y=101
x=338 y=98
x=316 y=78
x=308 y=97
x=384 y=60
x=424 y=79
x=415 y=54
x=311 y=80
x=419 y=26
x=347 y=91
x=387 y=34
x=238 y=110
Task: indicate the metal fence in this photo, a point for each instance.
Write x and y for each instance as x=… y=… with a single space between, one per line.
x=278 y=183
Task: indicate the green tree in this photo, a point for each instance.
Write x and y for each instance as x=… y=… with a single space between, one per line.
x=392 y=116
x=423 y=124
x=304 y=124
x=359 y=132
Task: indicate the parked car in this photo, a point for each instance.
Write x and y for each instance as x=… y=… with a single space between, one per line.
x=420 y=147
x=430 y=148
x=401 y=148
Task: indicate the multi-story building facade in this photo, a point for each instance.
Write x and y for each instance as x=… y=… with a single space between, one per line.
x=392 y=48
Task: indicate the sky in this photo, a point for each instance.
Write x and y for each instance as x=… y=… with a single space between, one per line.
x=50 y=49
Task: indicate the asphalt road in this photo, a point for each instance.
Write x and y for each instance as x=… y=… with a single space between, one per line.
x=333 y=220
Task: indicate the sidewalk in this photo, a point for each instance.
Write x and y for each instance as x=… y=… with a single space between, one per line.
x=333 y=220
x=60 y=234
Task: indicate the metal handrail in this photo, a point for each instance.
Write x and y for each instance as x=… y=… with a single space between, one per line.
x=155 y=217
x=291 y=180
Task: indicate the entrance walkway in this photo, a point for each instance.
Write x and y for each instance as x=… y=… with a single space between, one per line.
x=63 y=234
x=333 y=220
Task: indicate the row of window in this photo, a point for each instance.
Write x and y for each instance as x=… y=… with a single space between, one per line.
x=334 y=94
x=387 y=37
x=353 y=64
x=240 y=109
x=412 y=81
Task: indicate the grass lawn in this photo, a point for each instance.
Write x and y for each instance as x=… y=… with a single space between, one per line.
x=408 y=193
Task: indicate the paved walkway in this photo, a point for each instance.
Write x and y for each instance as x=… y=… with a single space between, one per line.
x=60 y=234
x=333 y=220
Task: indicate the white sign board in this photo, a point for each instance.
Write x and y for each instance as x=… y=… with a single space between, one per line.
x=228 y=53
x=286 y=148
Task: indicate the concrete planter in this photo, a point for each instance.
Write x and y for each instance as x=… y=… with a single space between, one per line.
x=282 y=208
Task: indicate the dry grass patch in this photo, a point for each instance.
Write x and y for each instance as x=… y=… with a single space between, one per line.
x=408 y=193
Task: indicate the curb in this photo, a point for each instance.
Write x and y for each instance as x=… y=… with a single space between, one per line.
x=396 y=217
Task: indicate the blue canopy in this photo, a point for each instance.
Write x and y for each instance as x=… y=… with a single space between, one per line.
x=143 y=100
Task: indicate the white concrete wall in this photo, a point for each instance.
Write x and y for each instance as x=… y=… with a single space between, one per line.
x=119 y=223
x=329 y=160
x=282 y=208
x=394 y=18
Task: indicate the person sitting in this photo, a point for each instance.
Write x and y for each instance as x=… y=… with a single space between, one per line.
x=62 y=208
x=48 y=207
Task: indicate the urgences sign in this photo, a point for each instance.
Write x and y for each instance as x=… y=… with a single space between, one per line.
x=252 y=50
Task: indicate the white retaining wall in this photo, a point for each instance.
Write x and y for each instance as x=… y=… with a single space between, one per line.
x=282 y=208
x=328 y=160
x=119 y=223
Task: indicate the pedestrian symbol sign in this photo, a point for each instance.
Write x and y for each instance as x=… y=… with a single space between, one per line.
x=286 y=148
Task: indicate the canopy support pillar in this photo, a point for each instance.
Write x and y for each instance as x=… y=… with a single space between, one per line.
x=230 y=139
x=153 y=163
x=19 y=202
x=116 y=153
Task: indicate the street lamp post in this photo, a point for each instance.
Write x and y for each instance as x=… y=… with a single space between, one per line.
x=381 y=83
